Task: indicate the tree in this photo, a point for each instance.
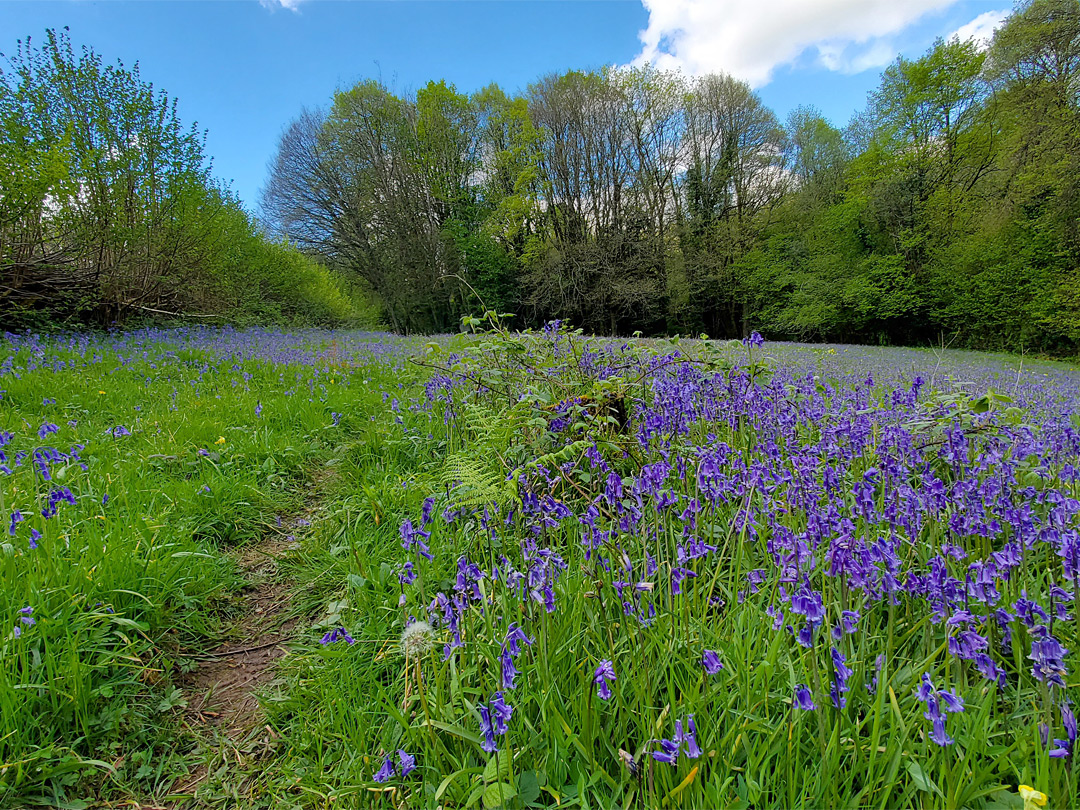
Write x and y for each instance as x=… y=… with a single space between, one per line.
x=113 y=229
x=734 y=151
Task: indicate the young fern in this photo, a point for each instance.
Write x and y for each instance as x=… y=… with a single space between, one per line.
x=474 y=481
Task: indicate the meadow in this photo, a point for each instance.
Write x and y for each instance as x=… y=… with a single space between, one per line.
x=538 y=570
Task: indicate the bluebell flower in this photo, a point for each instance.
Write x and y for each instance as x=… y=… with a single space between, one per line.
x=803 y=699
x=669 y=751
x=488 y=731
x=408 y=763
x=509 y=671
x=754 y=340
x=688 y=737
x=514 y=636
x=711 y=661
x=1048 y=657
x=335 y=635
x=601 y=677
x=501 y=713
x=386 y=772
x=936 y=701
x=1064 y=748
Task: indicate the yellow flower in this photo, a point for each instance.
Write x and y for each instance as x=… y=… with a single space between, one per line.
x=220 y=440
x=101 y=392
x=1032 y=798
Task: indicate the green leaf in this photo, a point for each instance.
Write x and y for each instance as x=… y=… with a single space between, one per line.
x=529 y=787
x=921 y=780
x=1004 y=800
x=498 y=795
x=498 y=767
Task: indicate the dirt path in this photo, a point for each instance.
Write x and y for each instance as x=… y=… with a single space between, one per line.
x=223 y=708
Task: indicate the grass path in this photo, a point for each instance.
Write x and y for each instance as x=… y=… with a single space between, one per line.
x=223 y=715
x=223 y=710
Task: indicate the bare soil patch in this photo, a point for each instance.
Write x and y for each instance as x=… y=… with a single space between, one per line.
x=222 y=692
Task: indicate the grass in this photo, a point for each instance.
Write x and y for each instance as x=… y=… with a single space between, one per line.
x=517 y=441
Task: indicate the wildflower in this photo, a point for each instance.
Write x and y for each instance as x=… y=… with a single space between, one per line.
x=27 y=616
x=220 y=440
x=408 y=763
x=386 y=772
x=509 y=671
x=669 y=751
x=1063 y=749
x=935 y=700
x=337 y=634
x=16 y=518
x=711 y=661
x=501 y=713
x=841 y=674
x=514 y=636
x=807 y=602
x=604 y=673
x=417 y=639
x=411 y=537
x=683 y=738
x=803 y=698
x=488 y=744
x=1032 y=798
x=688 y=737
x=494 y=719
x=35 y=535
x=1048 y=657
x=754 y=340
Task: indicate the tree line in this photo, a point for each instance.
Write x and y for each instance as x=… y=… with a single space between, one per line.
x=636 y=199
x=109 y=209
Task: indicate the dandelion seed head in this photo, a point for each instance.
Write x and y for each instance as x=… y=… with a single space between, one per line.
x=417 y=639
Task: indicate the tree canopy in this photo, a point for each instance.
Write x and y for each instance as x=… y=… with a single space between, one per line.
x=639 y=199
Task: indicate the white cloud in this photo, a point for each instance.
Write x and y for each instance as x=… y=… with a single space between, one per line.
x=750 y=39
x=274 y=5
x=981 y=29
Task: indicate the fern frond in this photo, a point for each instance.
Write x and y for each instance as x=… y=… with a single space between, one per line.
x=474 y=481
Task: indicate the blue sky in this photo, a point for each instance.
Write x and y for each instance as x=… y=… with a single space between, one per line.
x=243 y=68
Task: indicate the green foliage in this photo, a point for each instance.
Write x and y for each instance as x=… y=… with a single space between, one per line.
x=641 y=200
x=215 y=449
x=108 y=210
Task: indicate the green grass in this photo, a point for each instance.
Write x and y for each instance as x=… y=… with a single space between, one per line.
x=123 y=593
x=126 y=593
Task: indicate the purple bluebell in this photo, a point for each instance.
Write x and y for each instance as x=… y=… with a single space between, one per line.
x=335 y=635
x=1047 y=657
x=386 y=772
x=514 y=636
x=604 y=674
x=711 y=662
x=407 y=761
x=508 y=670
x=841 y=674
